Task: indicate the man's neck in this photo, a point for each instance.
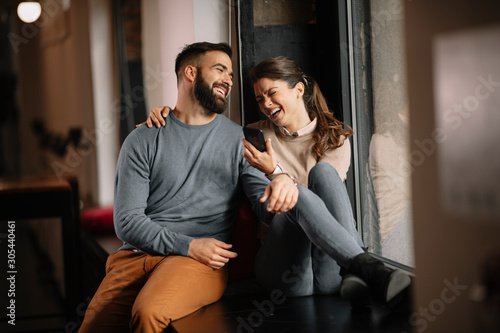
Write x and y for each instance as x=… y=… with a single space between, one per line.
x=193 y=114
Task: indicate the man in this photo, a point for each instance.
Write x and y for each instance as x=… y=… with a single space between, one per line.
x=177 y=191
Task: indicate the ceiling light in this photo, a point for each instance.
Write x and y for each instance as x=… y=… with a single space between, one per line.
x=29 y=11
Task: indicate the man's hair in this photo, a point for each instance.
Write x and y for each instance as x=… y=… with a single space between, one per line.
x=191 y=54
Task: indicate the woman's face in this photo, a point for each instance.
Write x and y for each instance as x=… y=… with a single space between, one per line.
x=283 y=105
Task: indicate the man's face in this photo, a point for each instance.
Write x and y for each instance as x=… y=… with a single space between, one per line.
x=214 y=81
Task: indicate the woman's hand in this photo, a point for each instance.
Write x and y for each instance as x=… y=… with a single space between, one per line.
x=264 y=161
x=156 y=116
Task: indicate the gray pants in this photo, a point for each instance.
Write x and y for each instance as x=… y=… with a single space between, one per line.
x=304 y=247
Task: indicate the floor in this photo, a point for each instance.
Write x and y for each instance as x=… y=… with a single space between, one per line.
x=273 y=312
x=39 y=304
x=301 y=314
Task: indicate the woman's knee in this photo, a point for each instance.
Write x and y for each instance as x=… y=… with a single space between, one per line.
x=322 y=169
x=321 y=174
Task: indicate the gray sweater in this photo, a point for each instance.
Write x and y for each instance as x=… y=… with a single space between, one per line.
x=181 y=182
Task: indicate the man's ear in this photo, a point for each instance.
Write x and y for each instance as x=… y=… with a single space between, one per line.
x=191 y=73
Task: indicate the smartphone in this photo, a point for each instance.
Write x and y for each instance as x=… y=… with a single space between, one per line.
x=255 y=137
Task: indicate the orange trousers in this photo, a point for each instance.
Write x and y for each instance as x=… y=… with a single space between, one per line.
x=145 y=293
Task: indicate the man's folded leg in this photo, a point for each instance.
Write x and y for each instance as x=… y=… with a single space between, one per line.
x=110 y=308
x=176 y=287
x=152 y=291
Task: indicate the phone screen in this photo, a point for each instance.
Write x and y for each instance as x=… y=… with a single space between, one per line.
x=255 y=137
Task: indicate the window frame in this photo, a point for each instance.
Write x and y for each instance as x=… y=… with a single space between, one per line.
x=357 y=72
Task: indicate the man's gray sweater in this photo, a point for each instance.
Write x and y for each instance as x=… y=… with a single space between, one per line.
x=181 y=182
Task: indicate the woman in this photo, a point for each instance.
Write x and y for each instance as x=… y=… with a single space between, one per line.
x=304 y=140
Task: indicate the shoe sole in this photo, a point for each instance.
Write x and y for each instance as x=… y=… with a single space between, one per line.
x=356 y=291
x=398 y=281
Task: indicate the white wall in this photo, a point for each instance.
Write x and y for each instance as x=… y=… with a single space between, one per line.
x=211 y=20
x=151 y=53
x=167 y=25
x=176 y=30
x=106 y=118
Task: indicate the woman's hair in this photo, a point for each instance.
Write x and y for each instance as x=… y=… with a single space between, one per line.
x=329 y=131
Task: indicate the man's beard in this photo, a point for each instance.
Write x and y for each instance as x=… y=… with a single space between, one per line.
x=206 y=96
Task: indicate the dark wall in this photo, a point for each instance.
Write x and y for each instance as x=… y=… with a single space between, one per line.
x=313 y=45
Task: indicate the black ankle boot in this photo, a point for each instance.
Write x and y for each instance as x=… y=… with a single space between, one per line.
x=386 y=284
x=354 y=289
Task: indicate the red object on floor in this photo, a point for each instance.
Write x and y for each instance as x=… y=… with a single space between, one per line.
x=98 y=220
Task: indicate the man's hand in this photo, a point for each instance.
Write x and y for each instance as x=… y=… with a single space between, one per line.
x=282 y=194
x=211 y=252
x=156 y=116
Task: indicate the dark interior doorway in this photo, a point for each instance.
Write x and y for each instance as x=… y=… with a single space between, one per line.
x=304 y=30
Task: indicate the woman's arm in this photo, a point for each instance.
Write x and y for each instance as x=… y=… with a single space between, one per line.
x=156 y=116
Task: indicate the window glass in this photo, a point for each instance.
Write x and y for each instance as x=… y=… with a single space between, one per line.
x=381 y=116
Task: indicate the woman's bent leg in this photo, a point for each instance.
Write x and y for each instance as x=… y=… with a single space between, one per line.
x=284 y=259
x=326 y=273
x=326 y=183
x=323 y=229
